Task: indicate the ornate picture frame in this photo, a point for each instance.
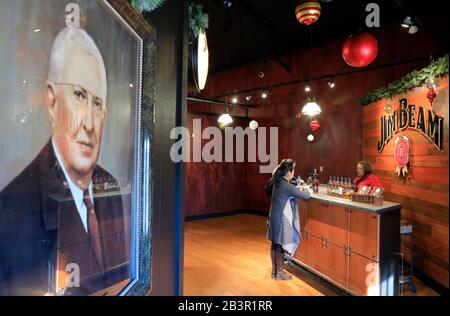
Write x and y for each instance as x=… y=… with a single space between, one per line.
x=81 y=80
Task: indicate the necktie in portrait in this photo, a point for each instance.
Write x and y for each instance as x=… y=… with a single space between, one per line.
x=94 y=231
x=79 y=248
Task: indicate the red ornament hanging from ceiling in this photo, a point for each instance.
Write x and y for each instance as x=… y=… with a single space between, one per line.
x=360 y=50
x=431 y=95
x=308 y=12
x=314 y=125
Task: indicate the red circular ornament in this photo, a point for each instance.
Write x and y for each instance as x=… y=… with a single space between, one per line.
x=401 y=152
x=314 y=125
x=359 y=50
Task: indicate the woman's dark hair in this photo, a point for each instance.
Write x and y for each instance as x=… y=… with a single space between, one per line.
x=367 y=167
x=282 y=169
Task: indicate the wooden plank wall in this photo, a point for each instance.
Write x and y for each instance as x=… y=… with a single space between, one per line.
x=213 y=187
x=424 y=194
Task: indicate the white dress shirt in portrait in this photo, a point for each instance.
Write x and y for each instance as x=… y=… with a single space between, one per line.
x=77 y=193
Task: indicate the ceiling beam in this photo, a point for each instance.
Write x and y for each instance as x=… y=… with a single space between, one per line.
x=202 y=113
x=212 y=101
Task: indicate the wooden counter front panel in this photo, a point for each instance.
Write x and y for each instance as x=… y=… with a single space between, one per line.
x=317 y=216
x=303 y=209
x=302 y=250
x=343 y=245
x=363 y=234
x=363 y=276
x=336 y=230
x=315 y=255
x=336 y=264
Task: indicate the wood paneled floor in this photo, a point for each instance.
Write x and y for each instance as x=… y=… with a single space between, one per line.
x=229 y=256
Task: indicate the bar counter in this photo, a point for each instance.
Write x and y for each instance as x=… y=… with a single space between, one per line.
x=323 y=197
x=354 y=246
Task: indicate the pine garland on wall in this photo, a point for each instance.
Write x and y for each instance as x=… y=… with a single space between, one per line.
x=146 y=5
x=408 y=82
x=198 y=20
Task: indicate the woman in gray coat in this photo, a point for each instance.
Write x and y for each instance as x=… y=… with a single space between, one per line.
x=280 y=190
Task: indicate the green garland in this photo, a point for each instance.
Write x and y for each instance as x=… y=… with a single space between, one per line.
x=146 y=5
x=408 y=82
x=198 y=20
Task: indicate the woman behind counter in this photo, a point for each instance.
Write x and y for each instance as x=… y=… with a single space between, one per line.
x=280 y=190
x=365 y=176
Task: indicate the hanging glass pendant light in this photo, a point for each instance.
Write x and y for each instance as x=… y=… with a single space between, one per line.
x=311 y=108
x=225 y=119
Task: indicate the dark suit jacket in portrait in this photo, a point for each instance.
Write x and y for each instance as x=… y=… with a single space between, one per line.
x=41 y=231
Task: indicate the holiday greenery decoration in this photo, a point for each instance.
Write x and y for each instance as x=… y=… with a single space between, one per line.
x=198 y=20
x=146 y=5
x=408 y=82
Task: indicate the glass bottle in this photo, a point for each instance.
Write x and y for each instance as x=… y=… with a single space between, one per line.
x=314 y=180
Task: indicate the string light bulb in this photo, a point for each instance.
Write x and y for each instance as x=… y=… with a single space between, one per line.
x=308 y=88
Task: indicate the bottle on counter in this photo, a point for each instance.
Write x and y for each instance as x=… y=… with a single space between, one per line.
x=348 y=187
x=315 y=181
x=339 y=186
x=329 y=186
x=354 y=188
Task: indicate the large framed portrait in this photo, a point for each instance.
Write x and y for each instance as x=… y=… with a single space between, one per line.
x=75 y=184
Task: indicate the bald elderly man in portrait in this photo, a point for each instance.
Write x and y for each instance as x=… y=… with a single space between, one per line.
x=50 y=218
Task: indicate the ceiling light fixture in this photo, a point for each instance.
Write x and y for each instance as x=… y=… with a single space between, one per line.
x=311 y=108
x=199 y=60
x=308 y=88
x=234 y=100
x=225 y=119
x=413 y=29
x=407 y=22
x=331 y=83
x=228 y=4
x=264 y=95
x=253 y=125
x=410 y=24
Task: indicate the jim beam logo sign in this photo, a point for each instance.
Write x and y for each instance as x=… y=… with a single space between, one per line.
x=409 y=116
